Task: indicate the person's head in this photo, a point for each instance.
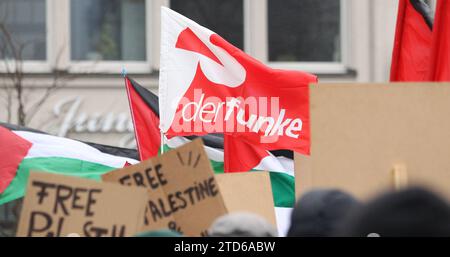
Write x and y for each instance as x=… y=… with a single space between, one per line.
x=241 y=224
x=319 y=213
x=410 y=212
x=159 y=233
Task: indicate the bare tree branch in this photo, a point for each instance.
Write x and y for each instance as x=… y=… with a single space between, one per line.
x=13 y=78
x=6 y=85
x=59 y=80
x=16 y=74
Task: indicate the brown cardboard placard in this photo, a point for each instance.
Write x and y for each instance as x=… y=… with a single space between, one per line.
x=361 y=132
x=249 y=192
x=183 y=193
x=57 y=205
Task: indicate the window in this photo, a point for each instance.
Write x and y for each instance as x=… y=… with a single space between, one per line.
x=24 y=29
x=304 y=31
x=226 y=18
x=108 y=30
x=102 y=36
x=290 y=34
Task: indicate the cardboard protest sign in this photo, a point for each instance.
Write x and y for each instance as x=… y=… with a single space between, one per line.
x=183 y=194
x=361 y=133
x=249 y=192
x=57 y=205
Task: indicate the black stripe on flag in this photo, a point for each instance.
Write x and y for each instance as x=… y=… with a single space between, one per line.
x=421 y=7
x=113 y=150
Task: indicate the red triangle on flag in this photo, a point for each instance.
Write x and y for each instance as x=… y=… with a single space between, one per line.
x=12 y=151
x=145 y=121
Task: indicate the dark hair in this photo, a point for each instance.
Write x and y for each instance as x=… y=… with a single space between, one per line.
x=319 y=213
x=410 y=212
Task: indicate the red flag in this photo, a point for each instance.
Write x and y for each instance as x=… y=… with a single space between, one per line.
x=11 y=156
x=412 y=45
x=209 y=86
x=145 y=120
x=440 y=57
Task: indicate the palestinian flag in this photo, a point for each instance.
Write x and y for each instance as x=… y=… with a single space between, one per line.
x=24 y=149
x=280 y=164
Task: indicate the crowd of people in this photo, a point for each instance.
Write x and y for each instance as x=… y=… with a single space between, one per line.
x=410 y=212
x=323 y=213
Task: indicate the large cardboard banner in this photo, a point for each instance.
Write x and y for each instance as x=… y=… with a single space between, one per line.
x=248 y=192
x=57 y=205
x=183 y=194
x=367 y=138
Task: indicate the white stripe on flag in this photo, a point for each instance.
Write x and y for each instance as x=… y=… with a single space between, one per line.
x=213 y=153
x=283 y=217
x=52 y=146
x=276 y=164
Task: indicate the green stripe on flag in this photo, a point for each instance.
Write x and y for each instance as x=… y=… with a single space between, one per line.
x=57 y=165
x=283 y=187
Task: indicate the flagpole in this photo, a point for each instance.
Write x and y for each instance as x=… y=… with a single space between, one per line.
x=162 y=142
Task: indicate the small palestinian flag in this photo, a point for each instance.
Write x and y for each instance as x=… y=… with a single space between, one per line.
x=23 y=149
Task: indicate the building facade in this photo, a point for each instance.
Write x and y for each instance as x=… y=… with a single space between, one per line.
x=78 y=49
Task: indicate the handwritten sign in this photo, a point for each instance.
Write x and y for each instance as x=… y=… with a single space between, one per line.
x=57 y=205
x=183 y=194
